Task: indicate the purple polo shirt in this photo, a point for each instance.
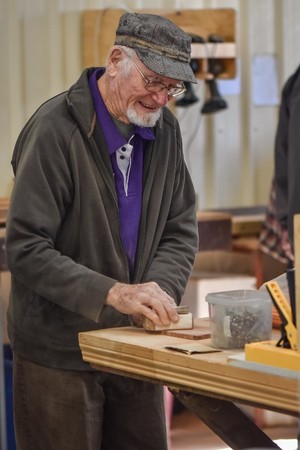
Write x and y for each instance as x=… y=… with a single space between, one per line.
x=129 y=205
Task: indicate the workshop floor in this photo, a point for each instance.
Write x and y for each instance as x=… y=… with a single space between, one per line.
x=189 y=433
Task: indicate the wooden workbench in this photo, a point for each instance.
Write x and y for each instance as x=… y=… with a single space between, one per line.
x=203 y=382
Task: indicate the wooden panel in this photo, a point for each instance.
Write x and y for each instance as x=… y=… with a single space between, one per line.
x=98 y=34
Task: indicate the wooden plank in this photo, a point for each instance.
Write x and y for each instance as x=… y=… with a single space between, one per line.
x=245 y=225
x=245 y=220
x=297 y=274
x=201 y=330
x=185 y=322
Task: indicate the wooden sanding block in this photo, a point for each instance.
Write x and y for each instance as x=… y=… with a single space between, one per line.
x=185 y=321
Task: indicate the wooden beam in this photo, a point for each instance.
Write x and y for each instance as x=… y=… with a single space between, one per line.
x=297 y=274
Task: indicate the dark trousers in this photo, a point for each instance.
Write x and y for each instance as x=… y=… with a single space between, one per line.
x=70 y=410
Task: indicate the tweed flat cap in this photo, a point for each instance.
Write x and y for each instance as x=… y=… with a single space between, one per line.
x=160 y=44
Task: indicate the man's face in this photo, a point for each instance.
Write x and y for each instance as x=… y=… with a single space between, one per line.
x=140 y=106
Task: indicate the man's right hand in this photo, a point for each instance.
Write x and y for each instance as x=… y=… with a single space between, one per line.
x=145 y=299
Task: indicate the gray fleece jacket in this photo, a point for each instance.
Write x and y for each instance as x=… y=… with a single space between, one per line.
x=63 y=243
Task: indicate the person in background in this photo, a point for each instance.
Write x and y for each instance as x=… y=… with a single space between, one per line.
x=101 y=232
x=273 y=237
x=286 y=179
x=287 y=162
x=277 y=232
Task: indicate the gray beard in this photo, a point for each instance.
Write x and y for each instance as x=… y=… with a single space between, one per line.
x=147 y=120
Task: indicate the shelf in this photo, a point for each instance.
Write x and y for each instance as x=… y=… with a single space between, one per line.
x=211 y=50
x=226 y=52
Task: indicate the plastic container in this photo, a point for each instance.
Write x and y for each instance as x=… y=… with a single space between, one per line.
x=239 y=317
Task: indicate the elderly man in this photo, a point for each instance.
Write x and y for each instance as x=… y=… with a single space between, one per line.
x=101 y=232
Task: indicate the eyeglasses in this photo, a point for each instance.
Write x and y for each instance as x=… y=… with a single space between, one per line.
x=157 y=86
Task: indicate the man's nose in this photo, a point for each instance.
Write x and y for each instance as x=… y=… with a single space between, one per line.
x=161 y=97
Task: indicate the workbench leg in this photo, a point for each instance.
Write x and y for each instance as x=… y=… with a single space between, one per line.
x=225 y=419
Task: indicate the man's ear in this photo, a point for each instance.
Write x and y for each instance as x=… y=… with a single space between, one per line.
x=114 y=57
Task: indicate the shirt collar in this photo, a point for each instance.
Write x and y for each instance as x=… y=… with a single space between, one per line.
x=113 y=138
